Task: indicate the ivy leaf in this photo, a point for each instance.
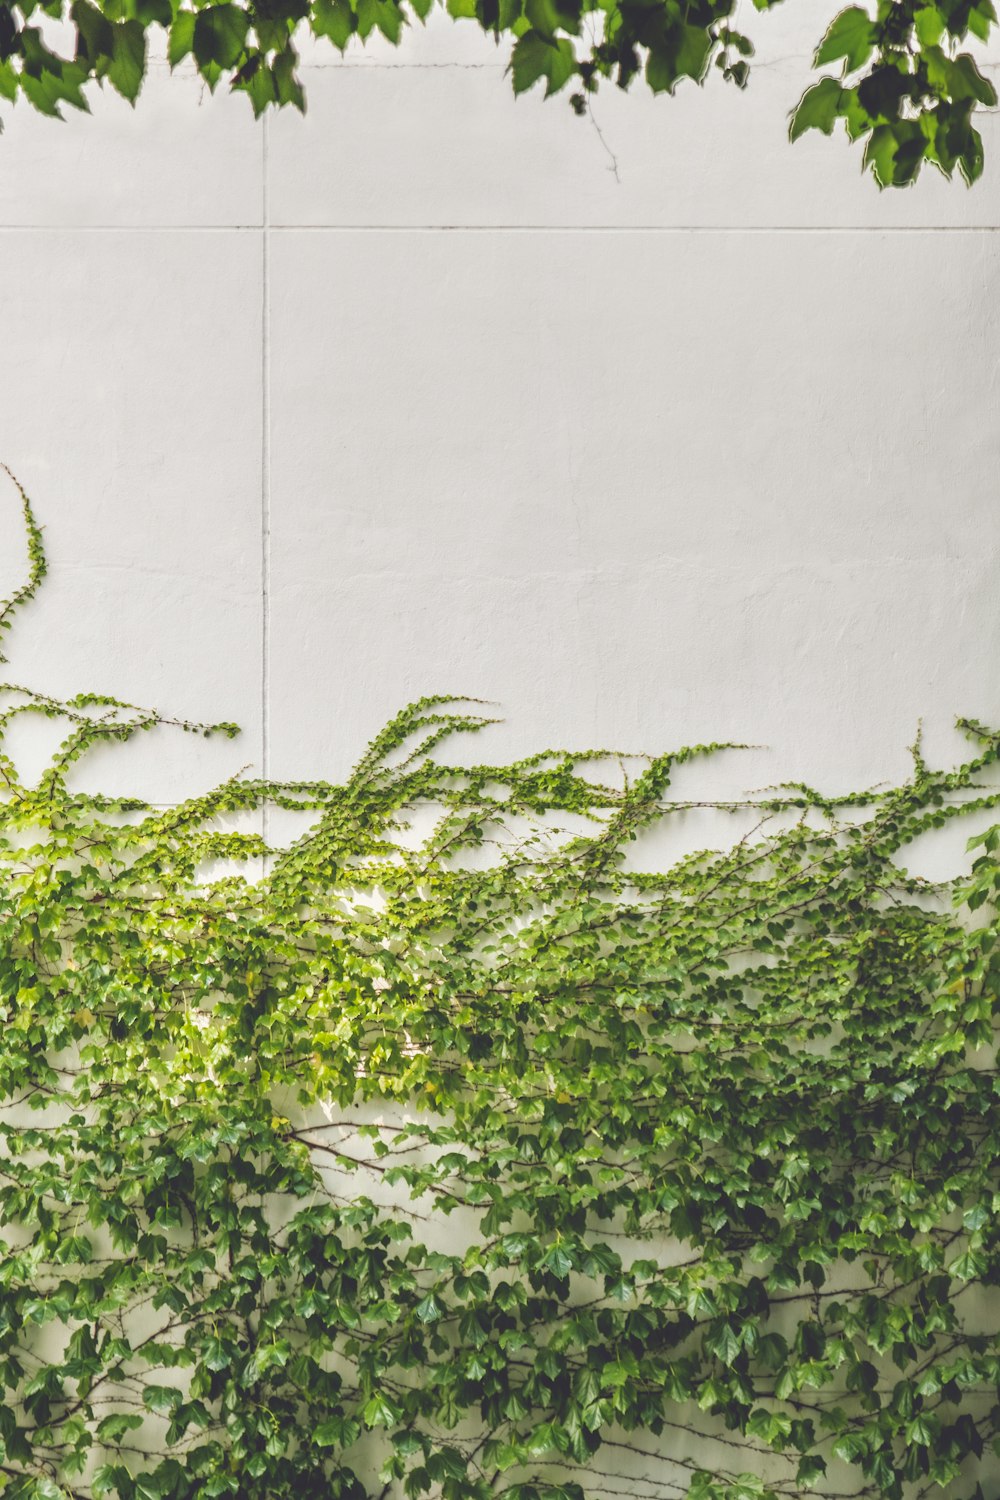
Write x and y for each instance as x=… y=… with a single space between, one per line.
x=379 y=1411
x=880 y=154
x=334 y=19
x=128 y=59
x=920 y=1431
x=968 y=83
x=429 y=1309
x=219 y=35
x=549 y=17
x=163 y=1400
x=684 y=52
x=972 y=157
x=818 y=109
x=724 y=1343
x=851 y=37
x=535 y=57
x=811 y=1468
x=850 y=1447
x=181 y=37
x=336 y=1432
x=982 y=17
x=558 y=1260
x=95 y=33
x=968 y=1266
x=112 y=1429
x=153 y=12
x=929 y=24
x=383 y=15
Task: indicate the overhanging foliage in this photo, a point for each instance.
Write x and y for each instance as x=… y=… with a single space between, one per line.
x=469 y=1161
x=900 y=83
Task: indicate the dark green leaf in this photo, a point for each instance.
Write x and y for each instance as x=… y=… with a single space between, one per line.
x=850 y=36
x=219 y=35
x=818 y=109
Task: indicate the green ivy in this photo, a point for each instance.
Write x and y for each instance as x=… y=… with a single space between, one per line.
x=900 y=83
x=449 y=1152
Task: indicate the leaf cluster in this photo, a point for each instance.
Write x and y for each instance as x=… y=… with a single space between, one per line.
x=901 y=85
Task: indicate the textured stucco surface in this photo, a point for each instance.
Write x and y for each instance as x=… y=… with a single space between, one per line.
x=425 y=392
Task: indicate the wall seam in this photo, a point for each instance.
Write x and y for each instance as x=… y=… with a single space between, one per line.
x=593 y=229
x=265 y=475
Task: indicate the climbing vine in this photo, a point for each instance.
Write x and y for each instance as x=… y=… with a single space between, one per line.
x=449 y=1151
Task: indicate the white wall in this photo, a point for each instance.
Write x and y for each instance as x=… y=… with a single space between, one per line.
x=417 y=395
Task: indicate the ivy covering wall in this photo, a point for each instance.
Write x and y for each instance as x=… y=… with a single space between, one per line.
x=447 y=1152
